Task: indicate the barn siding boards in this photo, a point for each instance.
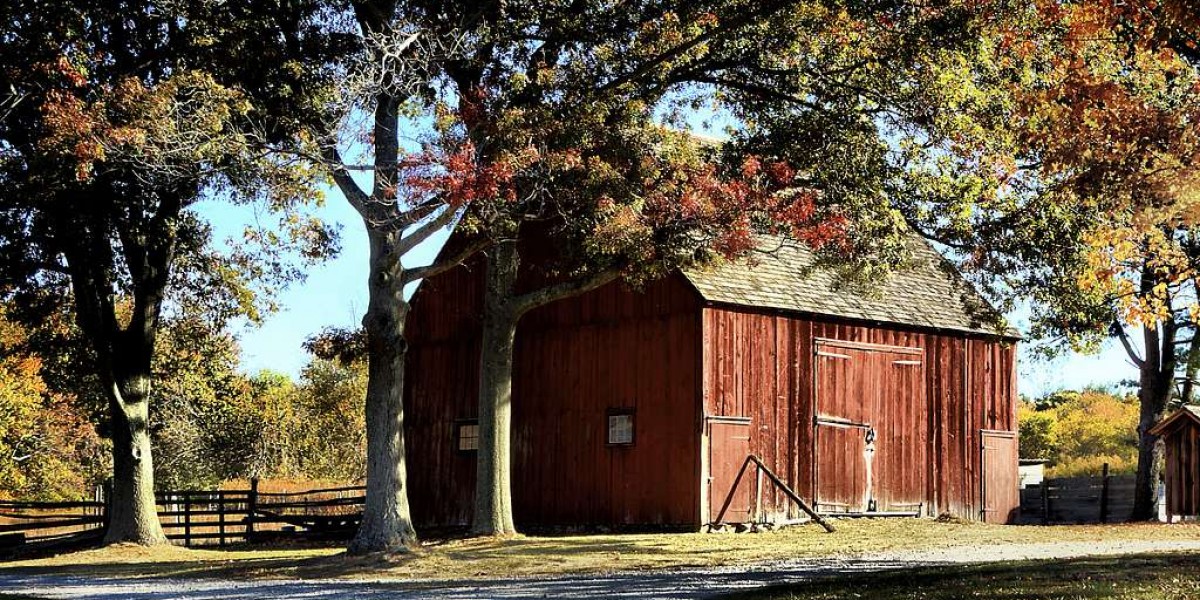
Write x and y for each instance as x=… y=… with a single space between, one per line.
x=575 y=359
x=962 y=386
x=1180 y=433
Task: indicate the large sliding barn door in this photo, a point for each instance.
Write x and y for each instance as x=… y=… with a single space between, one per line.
x=870 y=449
x=840 y=432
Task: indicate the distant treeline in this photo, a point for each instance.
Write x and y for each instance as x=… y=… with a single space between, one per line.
x=1080 y=431
x=209 y=422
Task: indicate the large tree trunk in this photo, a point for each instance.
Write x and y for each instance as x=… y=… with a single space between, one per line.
x=503 y=308
x=493 y=475
x=387 y=523
x=134 y=516
x=1156 y=378
x=1192 y=361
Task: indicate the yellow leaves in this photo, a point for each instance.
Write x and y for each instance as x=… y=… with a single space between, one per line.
x=1139 y=268
x=1095 y=424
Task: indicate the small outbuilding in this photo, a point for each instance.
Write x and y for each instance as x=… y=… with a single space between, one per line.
x=638 y=408
x=1180 y=433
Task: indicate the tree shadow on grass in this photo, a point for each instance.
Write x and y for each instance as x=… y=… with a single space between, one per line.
x=1137 y=577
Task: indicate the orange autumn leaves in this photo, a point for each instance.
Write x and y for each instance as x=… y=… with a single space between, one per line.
x=1108 y=109
x=184 y=120
x=43 y=435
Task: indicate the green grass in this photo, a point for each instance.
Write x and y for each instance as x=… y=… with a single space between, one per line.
x=1141 y=577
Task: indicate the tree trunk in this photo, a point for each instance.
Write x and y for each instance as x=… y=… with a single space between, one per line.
x=1192 y=362
x=387 y=522
x=134 y=516
x=1154 y=392
x=493 y=475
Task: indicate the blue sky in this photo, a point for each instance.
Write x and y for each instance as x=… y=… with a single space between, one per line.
x=334 y=294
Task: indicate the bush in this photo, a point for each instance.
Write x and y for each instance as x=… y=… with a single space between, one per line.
x=1081 y=431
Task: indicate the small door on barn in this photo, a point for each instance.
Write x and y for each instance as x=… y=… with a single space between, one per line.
x=901 y=460
x=1001 y=483
x=728 y=447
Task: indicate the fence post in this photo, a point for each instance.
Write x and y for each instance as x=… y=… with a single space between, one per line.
x=187 y=519
x=1104 y=494
x=106 y=490
x=1045 y=501
x=251 y=507
x=220 y=518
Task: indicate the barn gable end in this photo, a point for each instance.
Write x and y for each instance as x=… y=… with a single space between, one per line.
x=919 y=365
x=576 y=361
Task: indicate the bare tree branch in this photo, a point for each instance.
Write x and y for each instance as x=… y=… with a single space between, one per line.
x=543 y=296
x=1118 y=330
x=445 y=264
x=422 y=233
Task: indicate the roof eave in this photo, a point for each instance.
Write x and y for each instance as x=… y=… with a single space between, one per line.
x=1011 y=335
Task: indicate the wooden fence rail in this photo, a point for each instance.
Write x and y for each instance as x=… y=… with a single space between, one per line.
x=1100 y=499
x=195 y=518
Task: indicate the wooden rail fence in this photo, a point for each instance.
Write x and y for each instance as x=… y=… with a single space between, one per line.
x=1098 y=499
x=195 y=518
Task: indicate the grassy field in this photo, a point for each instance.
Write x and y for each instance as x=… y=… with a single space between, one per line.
x=579 y=554
x=1149 y=577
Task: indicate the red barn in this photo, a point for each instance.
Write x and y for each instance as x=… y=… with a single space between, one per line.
x=638 y=407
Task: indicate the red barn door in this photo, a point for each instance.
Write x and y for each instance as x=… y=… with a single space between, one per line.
x=871 y=428
x=1001 y=482
x=728 y=447
x=901 y=424
x=840 y=466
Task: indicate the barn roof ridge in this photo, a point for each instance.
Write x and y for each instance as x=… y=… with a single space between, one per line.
x=1190 y=411
x=931 y=293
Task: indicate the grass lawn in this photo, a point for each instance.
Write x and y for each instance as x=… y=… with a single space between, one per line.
x=1146 y=577
x=578 y=553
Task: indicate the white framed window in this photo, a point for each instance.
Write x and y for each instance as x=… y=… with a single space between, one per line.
x=620 y=427
x=466 y=435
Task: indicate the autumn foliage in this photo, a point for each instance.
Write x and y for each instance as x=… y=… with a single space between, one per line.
x=49 y=448
x=1080 y=431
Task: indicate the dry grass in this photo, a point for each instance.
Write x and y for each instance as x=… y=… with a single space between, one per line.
x=581 y=553
x=287 y=486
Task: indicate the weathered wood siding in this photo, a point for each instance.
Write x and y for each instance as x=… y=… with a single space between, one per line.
x=760 y=365
x=1181 y=469
x=613 y=348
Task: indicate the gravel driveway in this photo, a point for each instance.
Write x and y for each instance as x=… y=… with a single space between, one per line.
x=680 y=583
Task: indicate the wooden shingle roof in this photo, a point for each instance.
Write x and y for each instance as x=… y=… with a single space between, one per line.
x=929 y=294
x=1188 y=412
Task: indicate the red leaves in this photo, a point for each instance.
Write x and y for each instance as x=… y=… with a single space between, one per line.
x=459 y=177
x=642 y=201
x=730 y=209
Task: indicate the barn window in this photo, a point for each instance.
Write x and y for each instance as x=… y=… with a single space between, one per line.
x=466 y=436
x=620 y=427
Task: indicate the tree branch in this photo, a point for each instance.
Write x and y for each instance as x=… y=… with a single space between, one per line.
x=541 y=297
x=349 y=188
x=441 y=265
x=422 y=233
x=1118 y=330
x=680 y=49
